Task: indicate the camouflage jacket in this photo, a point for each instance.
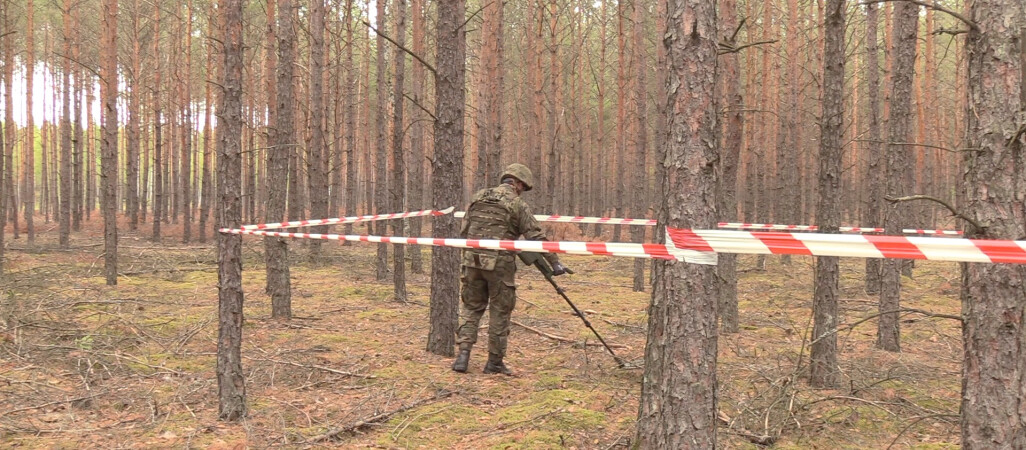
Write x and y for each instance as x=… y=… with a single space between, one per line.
x=498 y=213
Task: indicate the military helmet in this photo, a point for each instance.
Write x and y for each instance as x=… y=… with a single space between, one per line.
x=520 y=172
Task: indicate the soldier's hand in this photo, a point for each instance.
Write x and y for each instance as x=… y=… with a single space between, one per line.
x=559 y=269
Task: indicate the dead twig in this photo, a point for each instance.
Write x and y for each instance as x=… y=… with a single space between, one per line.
x=338 y=431
x=313 y=366
x=943 y=203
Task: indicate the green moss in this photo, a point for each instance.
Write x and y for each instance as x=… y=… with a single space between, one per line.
x=544 y=405
x=413 y=428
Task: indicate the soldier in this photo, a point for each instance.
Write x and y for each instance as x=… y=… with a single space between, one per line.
x=488 y=275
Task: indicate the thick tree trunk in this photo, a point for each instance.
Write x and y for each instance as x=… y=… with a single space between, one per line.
x=823 y=370
x=899 y=171
x=993 y=295
x=279 y=284
x=678 y=390
x=231 y=383
x=447 y=173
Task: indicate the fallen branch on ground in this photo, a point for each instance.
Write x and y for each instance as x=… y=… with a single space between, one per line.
x=561 y=338
x=336 y=432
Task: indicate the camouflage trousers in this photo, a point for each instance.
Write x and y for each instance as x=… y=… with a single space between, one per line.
x=491 y=289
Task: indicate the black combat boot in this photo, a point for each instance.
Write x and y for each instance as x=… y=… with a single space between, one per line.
x=462 y=359
x=495 y=365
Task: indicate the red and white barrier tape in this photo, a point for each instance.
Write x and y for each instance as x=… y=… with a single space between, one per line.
x=657 y=251
x=849 y=245
x=583 y=219
x=937 y=232
x=341 y=220
x=774 y=226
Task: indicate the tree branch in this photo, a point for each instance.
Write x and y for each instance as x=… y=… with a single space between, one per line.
x=428 y=66
x=954 y=211
x=730 y=49
x=934 y=6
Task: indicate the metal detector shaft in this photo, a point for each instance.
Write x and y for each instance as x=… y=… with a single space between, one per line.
x=536 y=260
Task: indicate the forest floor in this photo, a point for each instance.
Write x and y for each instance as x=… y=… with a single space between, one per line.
x=85 y=365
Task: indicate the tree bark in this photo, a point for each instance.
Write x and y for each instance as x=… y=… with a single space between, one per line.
x=231 y=383
x=731 y=129
x=29 y=169
x=399 y=170
x=639 y=202
x=350 y=94
x=823 y=370
x=381 y=144
x=993 y=295
x=279 y=284
x=678 y=389
x=447 y=173
x=899 y=171
x=109 y=151
x=65 y=156
x=416 y=166
x=874 y=181
x=316 y=151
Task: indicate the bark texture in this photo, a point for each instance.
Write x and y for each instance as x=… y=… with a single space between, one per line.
x=109 y=151
x=994 y=295
x=678 y=389
x=447 y=172
x=279 y=285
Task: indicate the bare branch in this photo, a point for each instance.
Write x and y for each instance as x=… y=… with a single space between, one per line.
x=726 y=49
x=954 y=211
x=935 y=6
x=428 y=66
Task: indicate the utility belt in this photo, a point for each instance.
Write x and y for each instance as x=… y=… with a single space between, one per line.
x=485 y=259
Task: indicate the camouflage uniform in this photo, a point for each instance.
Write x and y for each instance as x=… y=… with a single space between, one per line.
x=488 y=275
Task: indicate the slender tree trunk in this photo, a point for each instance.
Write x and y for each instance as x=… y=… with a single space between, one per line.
x=207 y=192
x=731 y=130
x=158 y=141
x=185 y=161
x=993 y=295
x=65 y=157
x=231 y=383
x=823 y=370
x=350 y=95
x=875 y=160
x=399 y=171
x=28 y=189
x=678 y=389
x=639 y=203
x=279 y=285
x=622 y=63
x=381 y=196
x=899 y=172
x=10 y=128
x=447 y=173
x=316 y=151
x=109 y=153
x=416 y=166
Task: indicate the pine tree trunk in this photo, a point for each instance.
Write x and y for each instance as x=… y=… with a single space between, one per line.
x=316 y=151
x=731 y=130
x=350 y=95
x=823 y=370
x=678 y=389
x=109 y=152
x=639 y=203
x=28 y=190
x=399 y=171
x=381 y=143
x=65 y=157
x=447 y=173
x=207 y=192
x=279 y=285
x=993 y=297
x=874 y=181
x=185 y=160
x=416 y=166
x=899 y=171
x=231 y=383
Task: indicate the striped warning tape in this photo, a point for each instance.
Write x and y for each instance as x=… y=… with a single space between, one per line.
x=656 y=251
x=849 y=245
x=582 y=219
x=341 y=220
x=936 y=232
x=774 y=226
x=701 y=246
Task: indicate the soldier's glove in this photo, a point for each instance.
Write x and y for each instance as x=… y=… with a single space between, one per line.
x=560 y=269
